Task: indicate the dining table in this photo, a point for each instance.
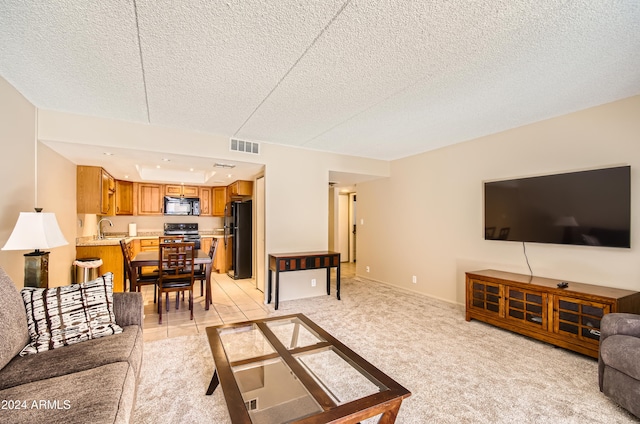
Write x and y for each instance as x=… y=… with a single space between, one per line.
x=151 y=258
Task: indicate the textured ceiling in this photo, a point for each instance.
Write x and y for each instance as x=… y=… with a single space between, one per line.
x=379 y=79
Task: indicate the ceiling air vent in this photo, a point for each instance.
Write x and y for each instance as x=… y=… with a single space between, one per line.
x=237 y=145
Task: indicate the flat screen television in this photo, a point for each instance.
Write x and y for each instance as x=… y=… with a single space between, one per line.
x=590 y=208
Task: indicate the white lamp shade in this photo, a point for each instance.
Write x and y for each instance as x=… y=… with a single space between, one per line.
x=35 y=230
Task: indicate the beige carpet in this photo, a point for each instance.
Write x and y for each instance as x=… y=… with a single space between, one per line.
x=457 y=371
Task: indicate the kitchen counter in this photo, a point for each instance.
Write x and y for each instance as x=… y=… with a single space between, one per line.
x=108 y=249
x=114 y=239
x=110 y=240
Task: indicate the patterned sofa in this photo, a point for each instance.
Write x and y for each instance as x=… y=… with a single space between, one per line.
x=89 y=381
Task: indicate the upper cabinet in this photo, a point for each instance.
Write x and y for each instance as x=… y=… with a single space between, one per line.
x=240 y=189
x=95 y=191
x=101 y=194
x=219 y=200
x=181 y=190
x=150 y=199
x=124 y=197
x=205 y=201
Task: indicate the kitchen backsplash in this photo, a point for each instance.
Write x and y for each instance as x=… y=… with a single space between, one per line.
x=146 y=225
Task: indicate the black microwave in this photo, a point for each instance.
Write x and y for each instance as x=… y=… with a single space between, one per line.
x=181 y=205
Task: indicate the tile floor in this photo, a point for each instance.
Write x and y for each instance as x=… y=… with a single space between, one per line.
x=233 y=301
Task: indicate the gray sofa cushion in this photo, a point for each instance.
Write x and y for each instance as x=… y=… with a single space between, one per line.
x=128 y=308
x=14 y=334
x=104 y=394
x=126 y=346
x=621 y=353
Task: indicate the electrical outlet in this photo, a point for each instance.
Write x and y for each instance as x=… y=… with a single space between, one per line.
x=414 y=280
x=313 y=282
x=367 y=269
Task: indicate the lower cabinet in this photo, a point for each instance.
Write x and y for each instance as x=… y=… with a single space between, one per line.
x=219 y=260
x=536 y=307
x=112 y=260
x=150 y=244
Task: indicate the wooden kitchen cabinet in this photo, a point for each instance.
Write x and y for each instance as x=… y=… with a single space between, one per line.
x=135 y=247
x=124 y=197
x=219 y=260
x=112 y=261
x=95 y=190
x=179 y=190
x=240 y=189
x=205 y=243
x=205 y=201
x=150 y=199
x=219 y=200
x=150 y=244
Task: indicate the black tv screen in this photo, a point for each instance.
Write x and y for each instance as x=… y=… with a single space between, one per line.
x=578 y=208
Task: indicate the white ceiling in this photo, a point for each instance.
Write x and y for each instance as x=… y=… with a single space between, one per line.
x=379 y=79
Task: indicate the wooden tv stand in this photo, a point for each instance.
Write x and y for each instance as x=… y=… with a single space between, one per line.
x=536 y=307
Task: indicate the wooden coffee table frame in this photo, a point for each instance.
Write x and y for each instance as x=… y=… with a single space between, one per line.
x=386 y=402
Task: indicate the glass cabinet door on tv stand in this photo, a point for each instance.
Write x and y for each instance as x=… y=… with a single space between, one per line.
x=542 y=308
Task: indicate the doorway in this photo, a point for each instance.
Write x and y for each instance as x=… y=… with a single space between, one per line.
x=260 y=238
x=344 y=225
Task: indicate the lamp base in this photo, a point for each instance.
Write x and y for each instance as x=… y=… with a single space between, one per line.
x=36 y=269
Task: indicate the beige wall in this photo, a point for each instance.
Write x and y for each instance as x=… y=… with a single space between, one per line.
x=296 y=180
x=17 y=168
x=32 y=175
x=57 y=194
x=426 y=219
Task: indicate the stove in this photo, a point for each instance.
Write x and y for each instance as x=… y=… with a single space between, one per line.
x=189 y=231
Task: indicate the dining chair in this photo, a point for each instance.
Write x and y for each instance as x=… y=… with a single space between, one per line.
x=172 y=239
x=176 y=265
x=142 y=278
x=200 y=273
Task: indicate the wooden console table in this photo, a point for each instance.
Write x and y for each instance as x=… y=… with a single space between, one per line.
x=283 y=262
x=537 y=307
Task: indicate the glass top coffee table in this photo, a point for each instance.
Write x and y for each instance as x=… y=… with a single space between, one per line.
x=288 y=369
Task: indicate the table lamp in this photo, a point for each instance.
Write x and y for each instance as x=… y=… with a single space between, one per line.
x=36 y=230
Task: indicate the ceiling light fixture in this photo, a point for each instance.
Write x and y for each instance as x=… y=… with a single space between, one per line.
x=107 y=154
x=223 y=165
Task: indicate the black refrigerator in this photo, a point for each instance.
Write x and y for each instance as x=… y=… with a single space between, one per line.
x=237 y=227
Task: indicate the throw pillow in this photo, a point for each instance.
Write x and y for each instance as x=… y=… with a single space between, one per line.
x=71 y=314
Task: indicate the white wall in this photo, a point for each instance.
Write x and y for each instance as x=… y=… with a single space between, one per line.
x=426 y=219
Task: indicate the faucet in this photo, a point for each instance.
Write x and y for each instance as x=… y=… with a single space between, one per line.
x=100 y=233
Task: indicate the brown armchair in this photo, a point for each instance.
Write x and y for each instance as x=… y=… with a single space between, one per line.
x=619 y=360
